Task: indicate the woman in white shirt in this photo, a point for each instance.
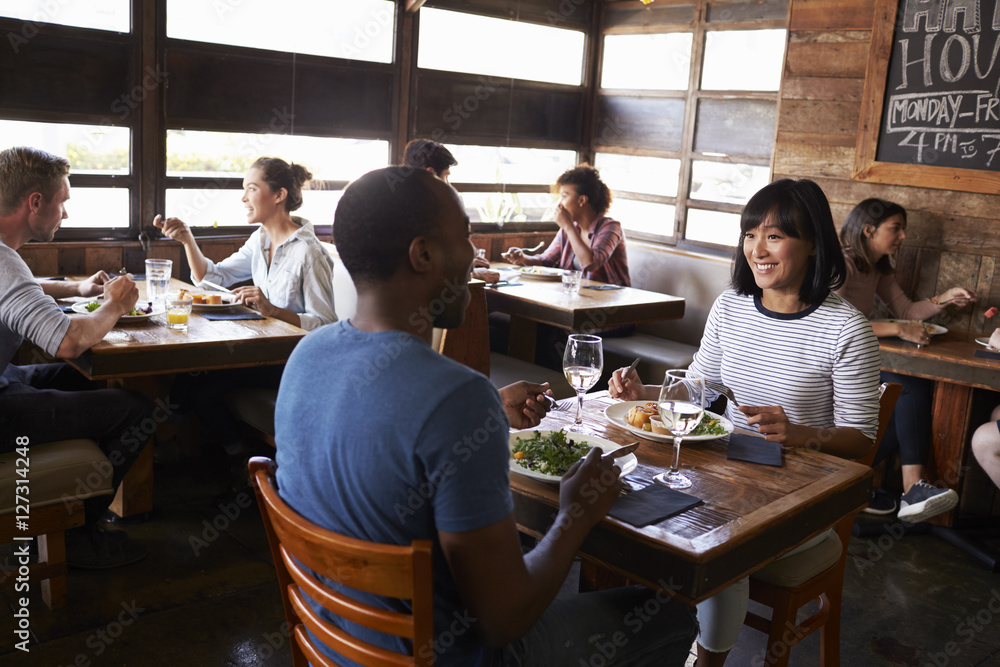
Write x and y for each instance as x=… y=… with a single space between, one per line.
x=802 y=361
x=292 y=272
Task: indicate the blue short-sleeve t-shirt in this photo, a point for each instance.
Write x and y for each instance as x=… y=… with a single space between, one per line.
x=381 y=438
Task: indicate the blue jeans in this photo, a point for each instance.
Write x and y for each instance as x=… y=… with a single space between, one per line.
x=621 y=626
x=50 y=402
x=909 y=429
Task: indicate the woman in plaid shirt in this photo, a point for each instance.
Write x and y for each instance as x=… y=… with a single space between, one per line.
x=587 y=240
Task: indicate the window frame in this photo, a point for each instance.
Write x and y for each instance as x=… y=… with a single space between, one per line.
x=699 y=24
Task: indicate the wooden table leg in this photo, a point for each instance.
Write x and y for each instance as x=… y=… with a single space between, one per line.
x=949 y=437
x=521 y=339
x=135 y=494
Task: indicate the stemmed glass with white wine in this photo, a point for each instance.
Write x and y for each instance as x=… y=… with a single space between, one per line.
x=682 y=404
x=583 y=362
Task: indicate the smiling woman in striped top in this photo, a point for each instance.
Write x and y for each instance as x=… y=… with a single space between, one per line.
x=802 y=361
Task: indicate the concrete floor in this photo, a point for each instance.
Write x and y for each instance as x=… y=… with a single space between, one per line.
x=206 y=595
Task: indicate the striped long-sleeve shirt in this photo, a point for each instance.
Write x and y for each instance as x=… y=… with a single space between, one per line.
x=820 y=365
x=607 y=242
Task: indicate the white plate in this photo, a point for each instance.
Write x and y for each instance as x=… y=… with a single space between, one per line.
x=984 y=341
x=932 y=329
x=228 y=301
x=541 y=273
x=627 y=463
x=81 y=307
x=616 y=413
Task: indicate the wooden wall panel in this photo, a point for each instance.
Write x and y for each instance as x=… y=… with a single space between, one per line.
x=811 y=161
x=834 y=59
x=822 y=88
x=822 y=14
x=820 y=116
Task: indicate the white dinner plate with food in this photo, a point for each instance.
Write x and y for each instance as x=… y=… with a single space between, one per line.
x=535 y=455
x=932 y=329
x=85 y=307
x=225 y=299
x=541 y=273
x=712 y=426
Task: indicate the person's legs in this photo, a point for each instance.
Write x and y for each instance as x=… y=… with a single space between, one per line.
x=623 y=626
x=986 y=446
x=720 y=619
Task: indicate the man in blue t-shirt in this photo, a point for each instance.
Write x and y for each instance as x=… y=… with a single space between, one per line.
x=381 y=438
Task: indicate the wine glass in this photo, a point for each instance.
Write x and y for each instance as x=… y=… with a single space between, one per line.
x=682 y=404
x=583 y=362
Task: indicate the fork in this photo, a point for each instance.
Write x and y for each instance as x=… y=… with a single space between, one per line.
x=555 y=405
x=722 y=389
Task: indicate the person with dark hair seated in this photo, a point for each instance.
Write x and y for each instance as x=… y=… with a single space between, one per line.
x=51 y=402
x=429 y=155
x=381 y=438
x=588 y=240
x=871 y=237
x=802 y=362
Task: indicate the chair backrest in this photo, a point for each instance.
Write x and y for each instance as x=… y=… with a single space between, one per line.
x=300 y=547
x=888 y=394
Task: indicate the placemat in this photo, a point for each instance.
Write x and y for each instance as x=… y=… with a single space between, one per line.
x=749 y=448
x=988 y=354
x=651 y=505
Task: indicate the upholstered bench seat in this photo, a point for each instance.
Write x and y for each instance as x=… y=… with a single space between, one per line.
x=506 y=370
x=253 y=406
x=799 y=568
x=656 y=355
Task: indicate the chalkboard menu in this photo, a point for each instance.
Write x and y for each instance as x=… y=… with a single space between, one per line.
x=941 y=104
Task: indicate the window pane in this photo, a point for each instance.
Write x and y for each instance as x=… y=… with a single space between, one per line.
x=509 y=207
x=643 y=216
x=632 y=173
x=104 y=208
x=90 y=149
x=736 y=127
x=724 y=182
x=650 y=62
x=359 y=30
x=637 y=122
x=217 y=207
x=713 y=227
x=210 y=154
x=728 y=63
x=458 y=42
x=499 y=164
x=99 y=14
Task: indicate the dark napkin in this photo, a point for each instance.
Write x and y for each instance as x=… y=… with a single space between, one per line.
x=66 y=307
x=603 y=287
x=989 y=354
x=651 y=505
x=232 y=316
x=744 y=447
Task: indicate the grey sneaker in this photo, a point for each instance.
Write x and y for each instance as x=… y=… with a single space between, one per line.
x=923 y=501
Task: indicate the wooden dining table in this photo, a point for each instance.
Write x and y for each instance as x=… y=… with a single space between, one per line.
x=135 y=350
x=541 y=299
x=950 y=361
x=750 y=515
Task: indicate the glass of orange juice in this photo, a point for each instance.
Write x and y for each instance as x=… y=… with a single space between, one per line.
x=179 y=310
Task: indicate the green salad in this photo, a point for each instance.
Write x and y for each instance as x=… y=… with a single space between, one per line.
x=710 y=425
x=552 y=454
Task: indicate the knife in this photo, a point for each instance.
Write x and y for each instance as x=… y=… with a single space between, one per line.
x=621 y=451
x=216 y=287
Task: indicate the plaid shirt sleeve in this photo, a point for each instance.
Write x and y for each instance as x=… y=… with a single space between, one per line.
x=552 y=256
x=607 y=243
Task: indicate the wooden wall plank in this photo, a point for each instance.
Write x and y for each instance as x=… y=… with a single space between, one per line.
x=822 y=88
x=42 y=260
x=828 y=117
x=832 y=15
x=808 y=161
x=106 y=258
x=813 y=138
x=833 y=59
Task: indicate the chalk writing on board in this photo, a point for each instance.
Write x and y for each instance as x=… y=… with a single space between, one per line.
x=942 y=101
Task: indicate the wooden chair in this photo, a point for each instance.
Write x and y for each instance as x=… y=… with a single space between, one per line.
x=60 y=476
x=300 y=547
x=787 y=588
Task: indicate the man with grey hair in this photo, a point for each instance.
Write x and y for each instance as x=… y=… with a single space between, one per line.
x=50 y=402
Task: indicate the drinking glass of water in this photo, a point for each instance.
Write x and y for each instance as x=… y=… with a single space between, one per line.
x=583 y=362
x=157 y=279
x=682 y=404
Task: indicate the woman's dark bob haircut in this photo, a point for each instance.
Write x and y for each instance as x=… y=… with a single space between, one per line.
x=800 y=210
x=869 y=213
